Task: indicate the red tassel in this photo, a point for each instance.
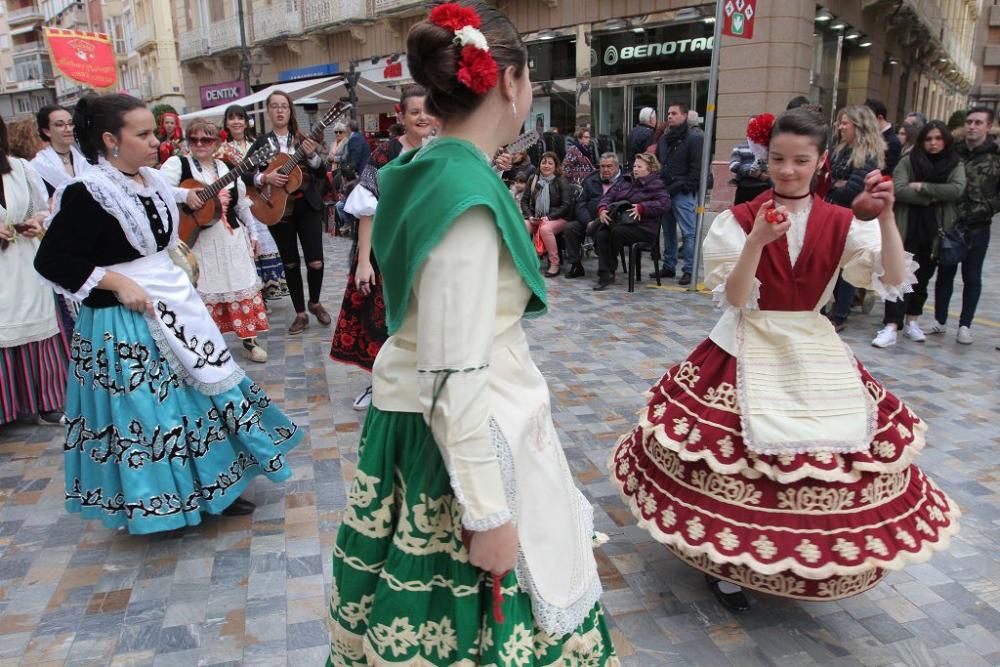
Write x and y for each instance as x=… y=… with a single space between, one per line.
x=498 y=599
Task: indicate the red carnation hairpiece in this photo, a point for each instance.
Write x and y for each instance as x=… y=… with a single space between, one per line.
x=759 y=129
x=477 y=70
x=454 y=16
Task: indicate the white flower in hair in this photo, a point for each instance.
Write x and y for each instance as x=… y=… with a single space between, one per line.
x=469 y=35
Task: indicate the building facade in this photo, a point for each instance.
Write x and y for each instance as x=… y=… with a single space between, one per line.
x=25 y=69
x=150 y=69
x=987 y=56
x=598 y=62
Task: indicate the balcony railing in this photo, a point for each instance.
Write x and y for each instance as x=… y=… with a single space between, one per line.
x=144 y=35
x=28 y=47
x=390 y=6
x=318 y=14
x=278 y=20
x=31 y=84
x=29 y=14
x=192 y=46
x=225 y=35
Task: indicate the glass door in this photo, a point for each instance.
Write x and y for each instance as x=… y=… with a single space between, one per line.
x=643 y=95
x=610 y=119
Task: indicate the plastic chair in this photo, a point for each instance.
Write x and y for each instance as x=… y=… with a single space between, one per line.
x=635 y=260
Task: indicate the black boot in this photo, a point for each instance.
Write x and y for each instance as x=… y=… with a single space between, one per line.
x=737 y=601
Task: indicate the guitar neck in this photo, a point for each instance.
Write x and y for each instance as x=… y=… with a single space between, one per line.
x=222 y=183
x=300 y=155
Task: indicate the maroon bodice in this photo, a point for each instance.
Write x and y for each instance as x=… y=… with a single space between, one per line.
x=784 y=287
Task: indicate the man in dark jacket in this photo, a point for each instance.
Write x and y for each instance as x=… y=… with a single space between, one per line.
x=641 y=135
x=893 y=147
x=593 y=188
x=976 y=208
x=679 y=152
x=358 y=152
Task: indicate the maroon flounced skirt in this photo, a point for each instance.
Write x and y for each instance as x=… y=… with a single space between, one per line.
x=805 y=526
x=361 y=328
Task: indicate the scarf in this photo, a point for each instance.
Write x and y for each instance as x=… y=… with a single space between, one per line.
x=675 y=134
x=922 y=226
x=50 y=166
x=184 y=332
x=542 y=197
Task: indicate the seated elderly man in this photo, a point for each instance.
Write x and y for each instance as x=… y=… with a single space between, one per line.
x=594 y=187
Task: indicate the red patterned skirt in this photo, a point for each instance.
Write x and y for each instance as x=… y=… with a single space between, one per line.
x=361 y=327
x=246 y=318
x=804 y=526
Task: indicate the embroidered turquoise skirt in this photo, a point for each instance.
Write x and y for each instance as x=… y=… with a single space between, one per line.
x=404 y=592
x=147 y=452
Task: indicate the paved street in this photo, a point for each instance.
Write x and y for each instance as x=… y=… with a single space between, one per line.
x=253 y=590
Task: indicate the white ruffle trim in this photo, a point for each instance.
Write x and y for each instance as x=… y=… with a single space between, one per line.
x=96 y=276
x=207 y=388
x=212 y=298
x=722 y=303
x=894 y=292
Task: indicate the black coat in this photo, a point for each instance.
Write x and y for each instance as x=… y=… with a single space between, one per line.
x=681 y=160
x=893 y=149
x=314 y=186
x=561 y=201
x=590 y=197
x=638 y=141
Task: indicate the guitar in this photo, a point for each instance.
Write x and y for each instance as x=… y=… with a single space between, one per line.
x=194 y=220
x=270 y=204
x=519 y=145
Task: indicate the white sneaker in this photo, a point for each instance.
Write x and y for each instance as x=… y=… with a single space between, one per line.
x=363 y=400
x=885 y=337
x=913 y=331
x=964 y=336
x=936 y=328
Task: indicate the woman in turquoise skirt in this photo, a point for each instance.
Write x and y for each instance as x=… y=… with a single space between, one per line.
x=465 y=541
x=162 y=425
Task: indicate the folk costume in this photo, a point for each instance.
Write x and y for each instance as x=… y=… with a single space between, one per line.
x=460 y=437
x=163 y=425
x=269 y=267
x=361 y=329
x=33 y=352
x=51 y=166
x=770 y=457
x=228 y=282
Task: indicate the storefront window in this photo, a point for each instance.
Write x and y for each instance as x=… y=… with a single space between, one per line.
x=826 y=68
x=552 y=64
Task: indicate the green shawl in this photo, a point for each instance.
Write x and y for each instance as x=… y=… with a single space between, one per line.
x=420 y=194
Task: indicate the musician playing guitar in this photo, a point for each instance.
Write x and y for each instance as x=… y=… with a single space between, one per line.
x=305 y=222
x=225 y=250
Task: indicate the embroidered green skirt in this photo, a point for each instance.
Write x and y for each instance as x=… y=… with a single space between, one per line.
x=404 y=592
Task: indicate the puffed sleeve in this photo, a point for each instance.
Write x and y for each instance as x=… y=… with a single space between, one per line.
x=862 y=262
x=456 y=290
x=62 y=254
x=361 y=202
x=721 y=250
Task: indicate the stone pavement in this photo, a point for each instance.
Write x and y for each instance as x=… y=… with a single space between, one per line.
x=253 y=590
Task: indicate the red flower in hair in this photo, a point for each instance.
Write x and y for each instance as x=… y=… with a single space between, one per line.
x=477 y=70
x=454 y=16
x=759 y=129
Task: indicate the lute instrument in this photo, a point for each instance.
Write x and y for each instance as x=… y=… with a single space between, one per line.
x=270 y=204
x=519 y=145
x=194 y=220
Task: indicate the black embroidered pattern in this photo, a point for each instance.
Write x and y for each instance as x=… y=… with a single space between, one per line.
x=95 y=370
x=204 y=352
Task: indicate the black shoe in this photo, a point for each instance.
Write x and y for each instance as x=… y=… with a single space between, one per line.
x=663 y=273
x=838 y=324
x=737 y=602
x=576 y=271
x=239 y=507
x=685 y=279
x=604 y=282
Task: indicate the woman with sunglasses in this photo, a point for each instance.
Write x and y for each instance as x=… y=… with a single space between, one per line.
x=239 y=137
x=305 y=222
x=61 y=160
x=228 y=284
x=338 y=148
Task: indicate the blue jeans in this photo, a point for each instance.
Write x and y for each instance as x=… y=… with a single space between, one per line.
x=972 y=280
x=843 y=295
x=681 y=213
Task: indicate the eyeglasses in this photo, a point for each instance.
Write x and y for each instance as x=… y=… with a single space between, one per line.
x=60 y=124
x=278 y=107
x=202 y=141
x=338 y=131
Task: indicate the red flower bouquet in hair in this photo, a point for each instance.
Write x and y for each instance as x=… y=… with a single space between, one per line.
x=477 y=70
x=759 y=134
x=454 y=16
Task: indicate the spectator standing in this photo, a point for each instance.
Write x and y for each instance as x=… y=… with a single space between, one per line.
x=679 y=153
x=357 y=153
x=749 y=173
x=580 y=161
x=859 y=149
x=593 y=188
x=338 y=147
x=907 y=134
x=893 y=147
x=647 y=201
x=641 y=136
x=547 y=204
x=928 y=182
x=981 y=199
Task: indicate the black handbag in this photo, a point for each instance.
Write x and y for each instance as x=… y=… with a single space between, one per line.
x=618 y=212
x=953 y=245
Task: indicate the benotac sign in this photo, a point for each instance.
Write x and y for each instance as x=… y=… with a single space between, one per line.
x=665 y=48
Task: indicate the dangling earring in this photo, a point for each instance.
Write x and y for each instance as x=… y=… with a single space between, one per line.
x=114 y=152
x=513 y=109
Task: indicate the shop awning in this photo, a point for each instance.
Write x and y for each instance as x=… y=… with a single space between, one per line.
x=372 y=97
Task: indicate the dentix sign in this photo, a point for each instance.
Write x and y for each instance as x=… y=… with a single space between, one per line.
x=664 y=48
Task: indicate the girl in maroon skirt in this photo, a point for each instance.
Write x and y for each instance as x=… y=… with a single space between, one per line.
x=770 y=459
x=361 y=328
